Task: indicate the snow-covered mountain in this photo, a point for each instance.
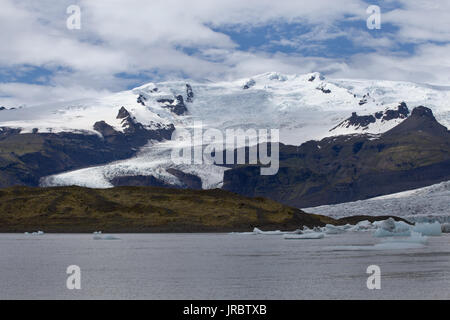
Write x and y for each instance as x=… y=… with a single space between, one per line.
x=302 y=107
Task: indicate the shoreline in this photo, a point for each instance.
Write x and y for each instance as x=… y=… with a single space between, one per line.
x=192 y=230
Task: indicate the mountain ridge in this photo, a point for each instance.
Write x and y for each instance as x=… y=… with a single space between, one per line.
x=353 y=167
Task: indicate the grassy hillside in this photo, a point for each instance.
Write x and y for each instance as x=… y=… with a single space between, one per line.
x=143 y=209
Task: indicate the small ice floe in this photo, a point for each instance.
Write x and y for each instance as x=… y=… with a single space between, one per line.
x=309 y=235
x=259 y=231
x=98 y=236
x=276 y=232
x=35 y=233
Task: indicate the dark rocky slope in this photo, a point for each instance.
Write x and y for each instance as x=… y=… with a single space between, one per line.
x=414 y=154
x=25 y=158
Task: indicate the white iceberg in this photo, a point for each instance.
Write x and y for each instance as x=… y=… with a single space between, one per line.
x=276 y=232
x=35 y=233
x=259 y=231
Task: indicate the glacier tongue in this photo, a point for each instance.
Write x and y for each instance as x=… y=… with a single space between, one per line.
x=422 y=205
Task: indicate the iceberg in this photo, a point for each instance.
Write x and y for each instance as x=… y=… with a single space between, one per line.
x=428 y=229
x=36 y=233
x=392 y=228
x=332 y=229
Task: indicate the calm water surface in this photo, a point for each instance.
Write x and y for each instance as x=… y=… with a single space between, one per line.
x=218 y=266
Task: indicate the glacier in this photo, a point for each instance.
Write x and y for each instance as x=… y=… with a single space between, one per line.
x=426 y=204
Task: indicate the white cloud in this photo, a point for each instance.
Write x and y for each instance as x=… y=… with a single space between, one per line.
x=138 y=36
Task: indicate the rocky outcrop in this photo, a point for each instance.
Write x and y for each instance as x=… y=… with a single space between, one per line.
x=324 y=90
x=421 y=119
x=402 y=112
x=6 y=131
x=250 y=83
x=188 y=180
x=363 y=121
x=138 y=181
x=189 y=93
x=141 y=99
x=176 y=105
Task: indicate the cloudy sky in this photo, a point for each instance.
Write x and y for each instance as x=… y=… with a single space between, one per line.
x=122 y=44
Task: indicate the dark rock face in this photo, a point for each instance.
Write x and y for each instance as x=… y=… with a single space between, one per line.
x=357 y=121
x=123 y=113
x=414 y=154
x=138 y=181
x=324 y=90
x=189 y=93
x=250 y=83
x=402 y=112
x=189 y=181
x=364 y=99
x=421 y=119
x=176 y=106
x=312 y=78
x=360 y=121
x=25 y=158
x=141 y=99
x=2 y=108
x=6 y=131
